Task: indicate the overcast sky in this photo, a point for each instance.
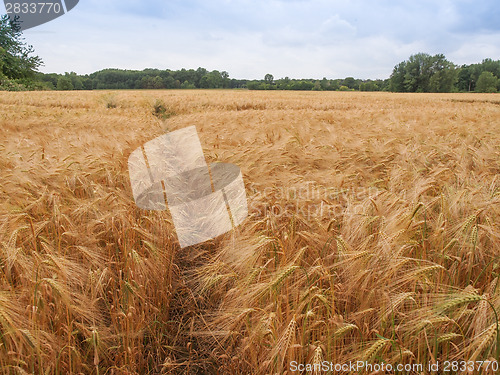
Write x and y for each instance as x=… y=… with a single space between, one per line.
x=294 y=38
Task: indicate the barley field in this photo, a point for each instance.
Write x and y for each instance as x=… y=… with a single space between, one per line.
x=373 y=234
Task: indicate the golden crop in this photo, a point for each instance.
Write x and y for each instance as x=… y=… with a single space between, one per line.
x=373 y=234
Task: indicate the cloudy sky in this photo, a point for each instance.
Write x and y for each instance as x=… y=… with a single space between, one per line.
x=294 y=38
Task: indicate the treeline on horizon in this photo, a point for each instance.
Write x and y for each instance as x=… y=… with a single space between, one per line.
x=420 y=73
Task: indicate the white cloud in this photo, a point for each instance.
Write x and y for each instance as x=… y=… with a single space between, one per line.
x=476 y=48
x=299 y=39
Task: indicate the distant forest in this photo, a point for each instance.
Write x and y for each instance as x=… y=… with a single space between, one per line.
x=420 y=73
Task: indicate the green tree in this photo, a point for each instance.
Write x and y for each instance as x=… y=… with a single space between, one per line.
x=487 y=82
x=200 y=72
x=169 y=82
x=225 y=79
x=213 y=80
x=351 y=83
x=50 y=79
x=465 y=79
x=146 y=82
x=492 y=66
x=16 y=57
x=283 y=83
x=334 y=85
x=369 y=86
x=269 y=79
x=397 y=80
x=423 y=73
x=252 y=85
x=64 y=83
x=443 y=74
x=187 y=85
x=325 y=84
x=418 y=73
x=157 y=83
x=302 y=85
x=76 y=80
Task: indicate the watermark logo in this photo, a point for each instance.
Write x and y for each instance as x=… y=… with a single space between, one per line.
x=308 y=200
x=205 y=201
x=28 y=13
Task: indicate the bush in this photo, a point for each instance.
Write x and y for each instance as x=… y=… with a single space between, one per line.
x=187 y=85
x=161 y=111
x=23 y=84
x=369 y=86
x=111 y=103
x=10 y=85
